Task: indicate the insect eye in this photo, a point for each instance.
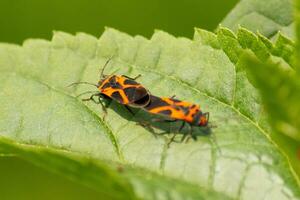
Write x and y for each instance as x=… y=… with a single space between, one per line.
x=203 y=121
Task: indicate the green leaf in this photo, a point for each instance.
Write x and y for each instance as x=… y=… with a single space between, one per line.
x=297 y=29
x=267 y=17
x=43 y=121
x=248 y=101
x=234 y=44
x=280 y=91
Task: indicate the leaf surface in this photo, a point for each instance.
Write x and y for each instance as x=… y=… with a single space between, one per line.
x=267 y=16
x=42 y=120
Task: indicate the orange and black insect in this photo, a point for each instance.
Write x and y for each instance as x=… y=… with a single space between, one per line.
x=176 y=110
x=121 y=88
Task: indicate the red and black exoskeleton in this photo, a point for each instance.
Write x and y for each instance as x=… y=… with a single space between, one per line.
x=176 y=110
x=121 y=88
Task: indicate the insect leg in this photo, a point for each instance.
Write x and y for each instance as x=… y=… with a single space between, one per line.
x=190 y=134
x=104 y=107
x=91 y=98
x=131 y=112
x=100 y=101
x=87 y=92
x=186 y=134
x=164 y=120
x=174 y=135
x=148 y=126
x=134 y=78
x=138 y=76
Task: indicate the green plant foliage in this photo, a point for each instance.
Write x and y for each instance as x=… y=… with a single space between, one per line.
x=270 y=85
x=43 y=121
x=22 y=180
x=280 y=91
x=297 y=17
x=267 y=17
x=234 y=46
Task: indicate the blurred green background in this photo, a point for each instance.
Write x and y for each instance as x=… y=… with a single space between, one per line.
x=21 y=19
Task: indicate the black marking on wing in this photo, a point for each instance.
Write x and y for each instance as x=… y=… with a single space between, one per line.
x=106 y=85
x=155 y=102
x=116 y=96
x=143 y=101
x=186 y=110
x=138 y=96
x=176 y=108
x=175 y=100
x=113 y=83
x=130 y=82
x=140 y=93
x=130 y=93
x=165 y=112
x=112 y=79
x=116 y=85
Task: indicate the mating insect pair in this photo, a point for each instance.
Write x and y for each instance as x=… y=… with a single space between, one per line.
x=126 y=91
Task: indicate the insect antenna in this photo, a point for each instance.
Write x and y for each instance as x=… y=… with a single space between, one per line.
x=104 y=66
x=82 y=82
x=87 y=92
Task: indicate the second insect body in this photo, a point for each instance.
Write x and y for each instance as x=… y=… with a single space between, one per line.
x=174 y=110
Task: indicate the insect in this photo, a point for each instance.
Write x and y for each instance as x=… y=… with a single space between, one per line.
x=121 y=88
x=176 y=110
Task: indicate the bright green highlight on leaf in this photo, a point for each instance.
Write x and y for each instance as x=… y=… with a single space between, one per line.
x=249 y=102
x=281 y=93
x=266 y=16
x=280 y=96
x=279 y=87
x=297 y=17
x=42 y=120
